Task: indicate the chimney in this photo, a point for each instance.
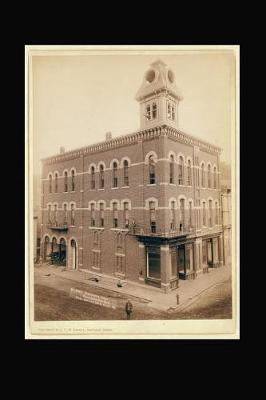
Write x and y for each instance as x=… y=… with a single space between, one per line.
x=62 y=150
x=108 y=136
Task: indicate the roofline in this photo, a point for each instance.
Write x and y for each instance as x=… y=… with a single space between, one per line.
x=132 y=138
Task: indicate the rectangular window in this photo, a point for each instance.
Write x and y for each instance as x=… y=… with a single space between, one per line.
x=153 y=263
x=173 y=223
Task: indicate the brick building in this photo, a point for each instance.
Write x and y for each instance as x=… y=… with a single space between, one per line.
x=143 y=207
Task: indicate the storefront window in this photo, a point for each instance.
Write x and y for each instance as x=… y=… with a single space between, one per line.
x=153 y=263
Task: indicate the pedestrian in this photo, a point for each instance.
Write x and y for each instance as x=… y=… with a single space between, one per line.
x=129 y=308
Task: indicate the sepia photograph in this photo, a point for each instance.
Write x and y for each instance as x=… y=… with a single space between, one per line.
x=132 y=194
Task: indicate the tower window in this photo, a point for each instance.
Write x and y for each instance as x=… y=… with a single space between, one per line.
x=126 y=180
x=65 y=181
x=148 y=112
x=115 y=179
x=173 y=113
x=154 y=110
x=151 y=170
x=169 y=111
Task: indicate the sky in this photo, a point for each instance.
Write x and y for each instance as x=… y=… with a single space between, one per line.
x=77 y=99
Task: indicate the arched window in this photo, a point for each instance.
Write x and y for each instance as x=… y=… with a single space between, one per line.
x=55 y=215
x=126 y=215
x=115 y=179
x=152 y=216
x=202 y=176
x=115 y=215
x=209 y=176
x=190 y=214
x=65 y=181
x=182 y=215
x=151 y=169
x=92 y=214
x=65 y=214
x=189 y=175
x=204 y=214
x=173 y=221
x=126 y=180
x=172 y=168
x=92 y=178
x=49 y=214
x=181 y=171
x=214 y=178
x=56 y=183
x=148 y=112
x=210 y=213
x=216 y=214
x=72 y=215
x=101 y=215
x=154 y=110
x=101 y=183
x=73 y=180
x=50 y=183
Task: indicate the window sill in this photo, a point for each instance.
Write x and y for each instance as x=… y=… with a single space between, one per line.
x=114 y=187
x=151 y=184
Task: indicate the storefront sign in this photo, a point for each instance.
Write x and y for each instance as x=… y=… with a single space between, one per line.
x=91 y=298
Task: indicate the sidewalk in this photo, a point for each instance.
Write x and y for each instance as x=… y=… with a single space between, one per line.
x=188 y=291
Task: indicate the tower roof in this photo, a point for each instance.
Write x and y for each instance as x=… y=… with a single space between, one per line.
x=159 y=77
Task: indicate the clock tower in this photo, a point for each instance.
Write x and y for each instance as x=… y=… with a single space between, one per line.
x=158 y=97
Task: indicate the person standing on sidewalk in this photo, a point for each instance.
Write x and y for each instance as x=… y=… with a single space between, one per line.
x=129 y=308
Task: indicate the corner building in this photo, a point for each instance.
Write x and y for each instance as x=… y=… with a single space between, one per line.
x=144 y=207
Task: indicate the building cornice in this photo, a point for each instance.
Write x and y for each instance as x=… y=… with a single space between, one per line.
x=134 y=138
